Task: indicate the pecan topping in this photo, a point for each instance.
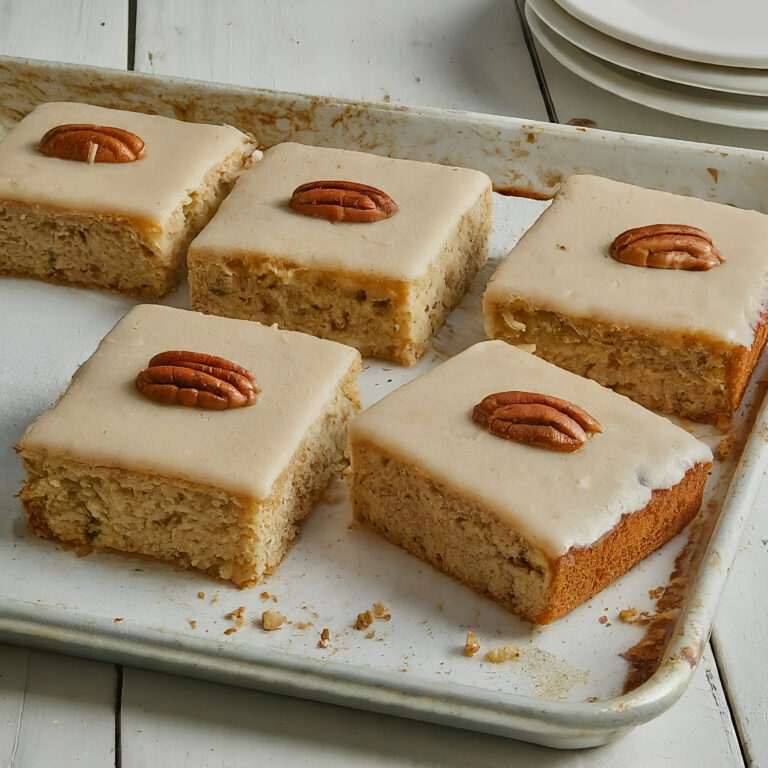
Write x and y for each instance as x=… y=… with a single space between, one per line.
x=667 y=246
x=197 y=380
x=92 y=143
x=534 y=419
x=342 y=201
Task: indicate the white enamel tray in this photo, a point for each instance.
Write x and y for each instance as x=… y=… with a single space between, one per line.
x=565 y=690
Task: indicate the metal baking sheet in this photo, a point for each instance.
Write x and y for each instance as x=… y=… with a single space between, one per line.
x=565 y=689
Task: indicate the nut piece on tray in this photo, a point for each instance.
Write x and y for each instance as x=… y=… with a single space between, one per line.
x=202 y=441
x=659 y=296
x=109 y=199
x=366 y=250
x=527 y=483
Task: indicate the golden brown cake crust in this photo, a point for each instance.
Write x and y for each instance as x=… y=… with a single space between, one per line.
x=583 y=572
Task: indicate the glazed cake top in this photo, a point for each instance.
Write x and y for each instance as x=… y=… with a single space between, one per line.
x=103 y=419
x=562 y=263
x=555 y=500
x=255 y=219
x=149 y=191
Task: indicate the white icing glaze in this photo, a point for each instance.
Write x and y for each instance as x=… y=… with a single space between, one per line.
x=255 y=220
x=580 y=279
x=103 y=419
x=150 y=190
x=556 y=500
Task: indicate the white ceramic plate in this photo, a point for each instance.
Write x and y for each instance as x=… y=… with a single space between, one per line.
x=732 y=34
x=739 y=80
x=694 y=103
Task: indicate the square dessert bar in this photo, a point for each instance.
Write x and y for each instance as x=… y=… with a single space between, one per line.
x=538 y=530
x=382 y=285
x=121 y=222
x=683 y=341
x=222 y=491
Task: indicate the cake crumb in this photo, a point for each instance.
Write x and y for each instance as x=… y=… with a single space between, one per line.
x=193 y=624
x=472 y=644
x=629 y=616
x=603 y=619
x=593 y=699
x=381 y=611
x=655 y=594
x=304 y=625
x=364 y=620
x=238 y=616
x=230 y=631
x=325 y=638
x=505 y=653
x=215 y=598
x=264 y=595
x=118 y=619
x=724 y=447
x=201 y=595
x=370 y=635
x=271 y=620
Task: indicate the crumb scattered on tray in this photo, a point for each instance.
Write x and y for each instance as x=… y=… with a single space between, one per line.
x=116 y=620
x=230 y=631
x=724 y=447
x=370 y=635
x=603 y=619
x=215 y=598
x=271 y=620
x=472 y=644
x=303 y=625
x=364 y=620
x=593 y=699
x=655 y=594
x=238 y=616
x=193 y=624
x=628 y=615
x=381 y=611
x=325 y=638
x=201 y=595
x=505 y=653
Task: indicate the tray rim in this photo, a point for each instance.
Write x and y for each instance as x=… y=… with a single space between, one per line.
x=567 y=724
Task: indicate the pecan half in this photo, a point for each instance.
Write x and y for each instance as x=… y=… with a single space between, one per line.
x=535 y=419
x=342 y=201
x=667 y=246
x=197 y=380
x=76 y=141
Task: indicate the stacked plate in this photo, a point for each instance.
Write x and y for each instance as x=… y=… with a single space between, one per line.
x=704 y=59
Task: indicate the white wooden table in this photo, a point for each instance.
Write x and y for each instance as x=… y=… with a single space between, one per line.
x=464 y=54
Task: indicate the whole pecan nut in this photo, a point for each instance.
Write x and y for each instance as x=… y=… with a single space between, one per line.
x=667 y=246
x=197 y=380
x=92 y=144
x=539 y=420
x=342 y=201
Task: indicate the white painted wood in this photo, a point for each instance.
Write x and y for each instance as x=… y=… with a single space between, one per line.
x=58 y=711
x=740 y=632
x=176 y=722
x=77 y=31
x=13 y=680
x=447 y=53
x=576 y=98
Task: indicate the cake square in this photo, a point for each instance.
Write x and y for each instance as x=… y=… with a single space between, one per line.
x=537 y=530
x=683 y=342
x=384 y=287
x=219 y=491
x=123 y=227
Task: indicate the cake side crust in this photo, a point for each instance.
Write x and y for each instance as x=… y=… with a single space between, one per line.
x=467 y=540
x=688 y=375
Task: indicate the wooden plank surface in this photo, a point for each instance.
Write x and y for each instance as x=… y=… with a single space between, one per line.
x=76 y=31
x=173 y=721
x=739 y=634
x=447 y=53
x=55 y=711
